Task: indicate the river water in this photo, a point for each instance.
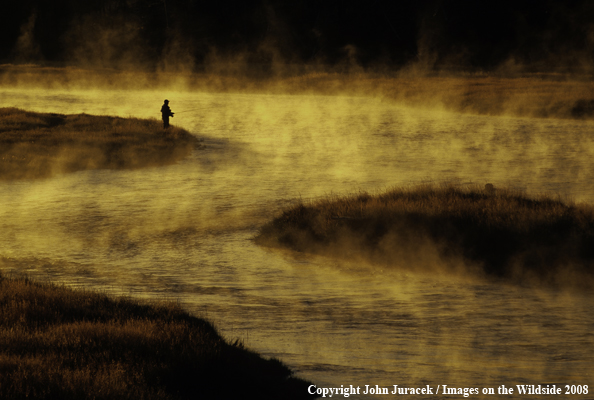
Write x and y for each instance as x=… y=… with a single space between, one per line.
x=184 y=232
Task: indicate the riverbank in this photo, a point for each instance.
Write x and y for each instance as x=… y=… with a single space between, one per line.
x=56 y=342
x=488 y=232
x=40 y=145
x=505 y=92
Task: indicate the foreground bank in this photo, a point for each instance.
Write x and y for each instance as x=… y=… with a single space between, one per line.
x=499 y=233
x=40 y=145
x=56 y=342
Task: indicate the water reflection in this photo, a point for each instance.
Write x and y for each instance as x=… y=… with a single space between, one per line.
x=184 y=232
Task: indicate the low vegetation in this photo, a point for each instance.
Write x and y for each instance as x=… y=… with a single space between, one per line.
x=57 y=343
x=506 y=92
x=501 y=233
x=517 y=95
x=39 y=145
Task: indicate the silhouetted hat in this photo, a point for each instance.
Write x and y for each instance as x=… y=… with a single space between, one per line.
x=166 y=101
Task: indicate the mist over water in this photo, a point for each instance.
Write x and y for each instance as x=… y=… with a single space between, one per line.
x=183 y=232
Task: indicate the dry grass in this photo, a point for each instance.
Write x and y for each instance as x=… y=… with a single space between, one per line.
x=38 y=145
x=56 y=343
x=504 y=92
x=527 y=95
x=541 y=96
x=507 y=234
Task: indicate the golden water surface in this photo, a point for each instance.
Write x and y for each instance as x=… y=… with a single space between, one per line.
x=184 y=232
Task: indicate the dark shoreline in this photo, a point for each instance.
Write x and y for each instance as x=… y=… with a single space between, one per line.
x=56 y=342
x=562 y=95
x=489 y=233
x=40 y=145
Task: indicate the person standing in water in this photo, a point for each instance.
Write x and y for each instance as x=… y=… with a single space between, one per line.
x=166 y=113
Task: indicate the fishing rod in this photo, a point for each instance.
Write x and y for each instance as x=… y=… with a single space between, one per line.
x=193 y=109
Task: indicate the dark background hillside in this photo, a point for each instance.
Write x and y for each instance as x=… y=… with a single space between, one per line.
x=188 y=34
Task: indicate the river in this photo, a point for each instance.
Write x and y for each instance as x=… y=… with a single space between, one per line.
x=184 y=233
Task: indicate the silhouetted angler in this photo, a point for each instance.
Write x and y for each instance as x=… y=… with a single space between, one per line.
x=166 y=113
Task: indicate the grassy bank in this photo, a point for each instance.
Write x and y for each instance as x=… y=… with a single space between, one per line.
x=505 y=92
x=521 y=95
x=57 y=343
x=39 y=145
x=495 y=232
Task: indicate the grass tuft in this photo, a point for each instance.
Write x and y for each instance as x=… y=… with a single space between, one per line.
x=497 y=232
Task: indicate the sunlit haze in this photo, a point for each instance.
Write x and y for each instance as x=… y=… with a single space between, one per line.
x=292 y=112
